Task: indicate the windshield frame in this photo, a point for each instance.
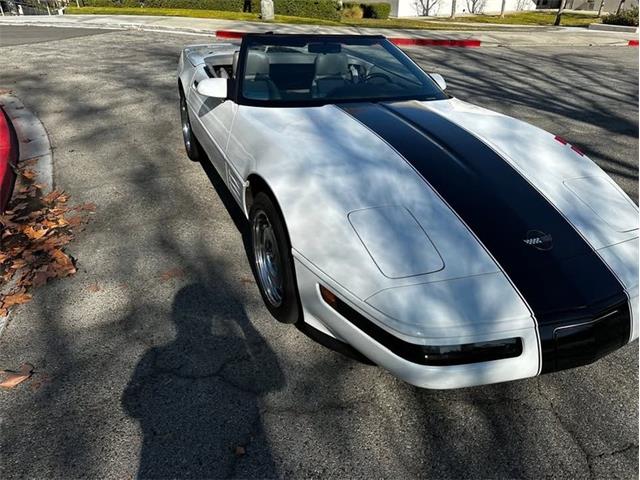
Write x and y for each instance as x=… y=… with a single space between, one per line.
x=283 y=39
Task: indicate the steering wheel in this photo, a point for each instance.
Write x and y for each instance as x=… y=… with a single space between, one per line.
x=375 y=75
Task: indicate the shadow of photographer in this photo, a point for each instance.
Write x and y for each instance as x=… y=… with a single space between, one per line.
x=196 y=398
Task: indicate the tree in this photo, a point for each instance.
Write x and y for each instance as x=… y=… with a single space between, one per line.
x=502 y=8
x=563 y=4
x=601 y=7
x=620 y=7
x=453 y=9
x=426 y=7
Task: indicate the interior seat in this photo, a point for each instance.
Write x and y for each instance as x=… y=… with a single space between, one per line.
x=331 y=72
x=257 y=84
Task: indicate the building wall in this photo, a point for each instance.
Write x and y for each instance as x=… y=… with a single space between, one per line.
x=407 y=8
x=610 y=6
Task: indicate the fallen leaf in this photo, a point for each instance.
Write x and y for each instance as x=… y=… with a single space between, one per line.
x=28 y=174
x=240 y=451
x=12 y=379
x=18 y=263
x=15 y=299
x=74 y=221
x=51 y=196
x=94 y=288
x=5 y=220
x=34 y=234
x=20 y=206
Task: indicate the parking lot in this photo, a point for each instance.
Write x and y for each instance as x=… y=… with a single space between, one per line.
x=159 y=359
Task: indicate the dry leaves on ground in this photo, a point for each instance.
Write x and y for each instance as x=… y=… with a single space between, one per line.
x=33 y=234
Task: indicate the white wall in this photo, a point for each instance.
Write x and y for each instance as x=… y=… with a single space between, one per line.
x=408 y=8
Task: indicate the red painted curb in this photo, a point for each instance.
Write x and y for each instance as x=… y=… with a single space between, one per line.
x=8 y=155
x=228 y=34
x=633 y=43
x=421 y=42
x=436 y=42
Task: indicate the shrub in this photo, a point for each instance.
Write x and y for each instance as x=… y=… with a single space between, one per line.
x=369 y=10
x=220 y=5
x=377 y=10
x=627 y=17
x=325 y=9
x=352 y=10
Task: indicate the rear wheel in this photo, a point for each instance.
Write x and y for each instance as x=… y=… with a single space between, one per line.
x=272 y=261
x=191 y=144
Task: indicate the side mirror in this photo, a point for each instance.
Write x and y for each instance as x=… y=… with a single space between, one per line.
x=439 y=79
x=213 y=87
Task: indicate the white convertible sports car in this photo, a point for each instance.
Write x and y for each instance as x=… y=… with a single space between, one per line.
x=449 y=244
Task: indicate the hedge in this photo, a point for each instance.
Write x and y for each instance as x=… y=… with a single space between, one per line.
x=220 y=5
x=371 y=10
x=324 y=9
x=627 y=17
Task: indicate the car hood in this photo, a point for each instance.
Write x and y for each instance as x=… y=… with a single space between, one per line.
x=354 y=207
x=367 y=218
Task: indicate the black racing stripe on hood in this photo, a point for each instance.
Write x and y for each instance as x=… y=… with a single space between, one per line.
x=569 y=282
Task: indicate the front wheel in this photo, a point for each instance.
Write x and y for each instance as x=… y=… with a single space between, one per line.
x=191 y=144
x=272 y=261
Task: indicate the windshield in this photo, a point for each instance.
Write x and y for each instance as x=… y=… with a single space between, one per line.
x=323 y=69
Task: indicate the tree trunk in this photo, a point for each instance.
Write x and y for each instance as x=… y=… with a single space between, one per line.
x=563 y=4
x=600 y=9
x=504 y=5
x=453 y=9
x=620 y=7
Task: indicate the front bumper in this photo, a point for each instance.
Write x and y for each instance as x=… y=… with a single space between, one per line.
x=320 y=315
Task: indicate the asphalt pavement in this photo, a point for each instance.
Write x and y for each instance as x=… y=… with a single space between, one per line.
x=158 y=359
x=20 y=35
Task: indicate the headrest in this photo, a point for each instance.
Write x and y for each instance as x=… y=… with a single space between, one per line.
x=332 y=64
x=257 y=64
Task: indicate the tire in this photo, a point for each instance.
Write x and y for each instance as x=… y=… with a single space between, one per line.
x=191 y=145
x=272 y=260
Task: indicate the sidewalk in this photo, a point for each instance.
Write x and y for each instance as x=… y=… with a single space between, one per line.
x=513 y=37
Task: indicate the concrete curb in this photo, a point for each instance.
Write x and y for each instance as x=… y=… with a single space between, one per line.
x=603 y=27
x=33 y=140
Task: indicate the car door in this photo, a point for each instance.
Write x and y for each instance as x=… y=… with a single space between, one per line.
x=213 y=119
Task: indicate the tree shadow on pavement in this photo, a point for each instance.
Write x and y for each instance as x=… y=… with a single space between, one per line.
x=193 y=396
